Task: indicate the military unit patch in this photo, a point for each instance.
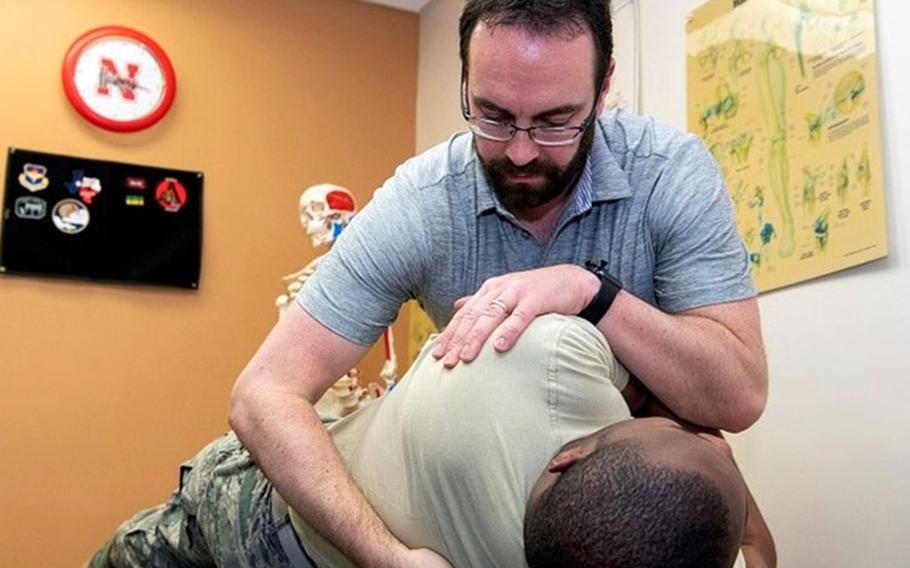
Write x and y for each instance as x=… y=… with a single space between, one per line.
x=86 y=188
x=70 y=216
x=33 y=177
x=30 y=208
x=170 y=195
x=135 y=183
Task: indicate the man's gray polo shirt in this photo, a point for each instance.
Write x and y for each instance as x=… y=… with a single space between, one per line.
x=651 y=202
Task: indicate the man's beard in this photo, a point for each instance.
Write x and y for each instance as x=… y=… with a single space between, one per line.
x=517 y=196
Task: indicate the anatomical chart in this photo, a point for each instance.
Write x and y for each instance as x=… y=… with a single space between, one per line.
x=785 y=95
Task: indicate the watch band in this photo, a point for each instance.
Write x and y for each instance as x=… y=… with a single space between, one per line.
x=609 y=288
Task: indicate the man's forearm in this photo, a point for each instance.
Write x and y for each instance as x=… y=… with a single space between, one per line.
x=286 y=437
x=272 y=414
x=700 y=368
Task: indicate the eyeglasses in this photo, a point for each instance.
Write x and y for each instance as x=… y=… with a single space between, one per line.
x=499 y=131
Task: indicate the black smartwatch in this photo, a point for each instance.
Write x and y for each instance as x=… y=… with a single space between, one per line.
x=609 y=288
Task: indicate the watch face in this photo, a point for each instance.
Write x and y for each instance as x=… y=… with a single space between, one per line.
x=119 y=79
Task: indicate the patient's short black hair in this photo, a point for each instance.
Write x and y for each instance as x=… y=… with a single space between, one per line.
x=616 y=509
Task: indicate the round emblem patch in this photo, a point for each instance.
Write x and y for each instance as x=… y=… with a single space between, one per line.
x=70 y=216
x=170 y=195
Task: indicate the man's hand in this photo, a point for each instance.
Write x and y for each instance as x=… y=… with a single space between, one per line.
x=507 y=304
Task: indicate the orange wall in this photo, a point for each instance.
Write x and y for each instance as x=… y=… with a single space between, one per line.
x=105 y=388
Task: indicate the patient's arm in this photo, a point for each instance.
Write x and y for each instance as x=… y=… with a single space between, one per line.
x=643 y=403
x=758 y=544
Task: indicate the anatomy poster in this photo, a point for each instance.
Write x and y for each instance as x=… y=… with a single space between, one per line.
x=785 y=95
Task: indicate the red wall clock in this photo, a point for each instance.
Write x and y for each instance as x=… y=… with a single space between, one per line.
x=119 y=79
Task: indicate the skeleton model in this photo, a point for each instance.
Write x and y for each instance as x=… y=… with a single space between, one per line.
x=325 y=210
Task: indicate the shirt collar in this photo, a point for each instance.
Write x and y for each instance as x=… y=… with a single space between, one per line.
x=601 y=165
x=612 y=181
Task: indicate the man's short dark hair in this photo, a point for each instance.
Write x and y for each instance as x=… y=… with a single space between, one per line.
x=616 y=509
x=545 y=17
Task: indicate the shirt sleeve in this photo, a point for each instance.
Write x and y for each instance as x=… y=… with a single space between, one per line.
x=700 y=259
x=585 y=381
x=374 y=266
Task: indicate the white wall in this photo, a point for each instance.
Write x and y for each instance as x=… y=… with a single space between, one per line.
x=827 y=461
x=438 y=74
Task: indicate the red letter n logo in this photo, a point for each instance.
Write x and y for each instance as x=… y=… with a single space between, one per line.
x=109 y=75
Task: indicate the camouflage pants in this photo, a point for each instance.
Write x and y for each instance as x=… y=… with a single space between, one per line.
x=220 y=515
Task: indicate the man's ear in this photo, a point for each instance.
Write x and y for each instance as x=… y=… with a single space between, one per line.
x=566 y=459
x=605 y=87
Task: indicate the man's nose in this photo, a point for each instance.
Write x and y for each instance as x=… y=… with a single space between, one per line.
x=521 y=150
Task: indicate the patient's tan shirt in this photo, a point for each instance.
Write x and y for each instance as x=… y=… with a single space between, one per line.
x=449 y=457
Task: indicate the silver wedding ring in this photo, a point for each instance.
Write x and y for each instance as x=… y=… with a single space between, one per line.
x=500 y=304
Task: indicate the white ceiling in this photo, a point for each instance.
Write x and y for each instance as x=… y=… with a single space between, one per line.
x=409 y=5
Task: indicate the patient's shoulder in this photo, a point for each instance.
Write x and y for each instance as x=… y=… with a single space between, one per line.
x=569 y=344
x=549 y=331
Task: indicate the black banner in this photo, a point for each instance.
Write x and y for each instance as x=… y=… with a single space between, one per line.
x=85 y=218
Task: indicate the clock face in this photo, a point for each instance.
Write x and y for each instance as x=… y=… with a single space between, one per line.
x=119 y=79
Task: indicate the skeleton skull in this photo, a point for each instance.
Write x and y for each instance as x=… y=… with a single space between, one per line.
x=325 y=210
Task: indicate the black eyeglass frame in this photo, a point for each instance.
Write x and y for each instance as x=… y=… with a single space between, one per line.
x=473 y=120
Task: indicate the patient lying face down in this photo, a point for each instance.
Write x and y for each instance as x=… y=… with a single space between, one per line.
x=452 y=458
x=468 y=445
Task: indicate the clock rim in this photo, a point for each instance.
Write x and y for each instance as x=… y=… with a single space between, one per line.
x=167 y=71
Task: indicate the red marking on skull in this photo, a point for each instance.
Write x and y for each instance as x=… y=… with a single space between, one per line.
x=339 y=201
